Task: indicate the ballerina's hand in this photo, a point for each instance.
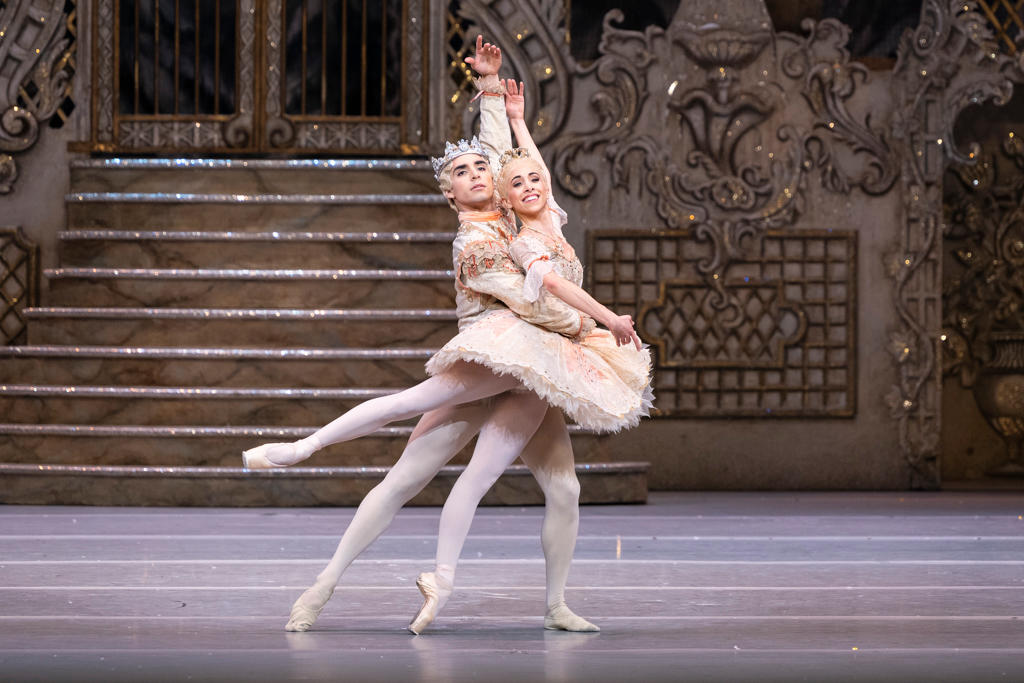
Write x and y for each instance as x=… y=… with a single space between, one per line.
x=487 y=60
x=515 y=100
x=621 y=328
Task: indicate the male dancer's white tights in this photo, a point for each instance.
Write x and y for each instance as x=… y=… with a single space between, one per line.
x=439 y=435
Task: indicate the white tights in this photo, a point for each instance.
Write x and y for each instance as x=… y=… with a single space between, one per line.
x=462 y=383
x=439 y=435
x=513 y=422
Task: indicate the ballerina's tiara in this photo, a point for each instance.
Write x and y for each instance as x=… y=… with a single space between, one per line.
x=451 y=151
x=512 y=155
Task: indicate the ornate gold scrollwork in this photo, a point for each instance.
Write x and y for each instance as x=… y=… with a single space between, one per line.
x=36 y=66
x=531 y=34
x=949 y=61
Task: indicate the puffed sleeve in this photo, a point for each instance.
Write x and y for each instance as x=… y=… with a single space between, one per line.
x=533 y=258
x=486 y=267
x=559 y=212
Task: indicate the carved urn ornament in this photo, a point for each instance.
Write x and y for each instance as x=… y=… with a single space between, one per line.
x=984 y=306
x=720 y=47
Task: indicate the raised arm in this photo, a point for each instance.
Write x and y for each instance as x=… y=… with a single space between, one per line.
x=515 y=109
x=494 y=131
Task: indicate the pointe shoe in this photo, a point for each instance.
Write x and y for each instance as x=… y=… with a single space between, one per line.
x=561 y=618
x=436 y=592
x=258 y=458
x=307 y=608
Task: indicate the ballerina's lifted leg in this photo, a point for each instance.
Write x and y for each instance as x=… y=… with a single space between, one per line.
x=464 y=382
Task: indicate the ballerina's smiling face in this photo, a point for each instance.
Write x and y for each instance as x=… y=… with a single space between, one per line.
x=524 y=187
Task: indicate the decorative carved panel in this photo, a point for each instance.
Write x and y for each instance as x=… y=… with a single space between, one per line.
x=730 y=132
x=19 y=283
x=780 y=343
x=533 y=39
x=37 y=63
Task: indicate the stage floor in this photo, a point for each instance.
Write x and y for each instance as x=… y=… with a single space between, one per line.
x=693 y=586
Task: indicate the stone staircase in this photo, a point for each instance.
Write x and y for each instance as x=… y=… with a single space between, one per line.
x=204 y=306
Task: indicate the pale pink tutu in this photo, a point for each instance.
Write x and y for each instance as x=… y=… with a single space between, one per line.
x=599 y=385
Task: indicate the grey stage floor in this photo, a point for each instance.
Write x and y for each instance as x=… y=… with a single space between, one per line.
x=702 y=587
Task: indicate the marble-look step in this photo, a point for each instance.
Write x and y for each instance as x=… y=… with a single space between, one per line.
x=156 y=405
x=246 y=274
x=193 y=445
x=244 y=176
x=203 y=445
x=624 y=482
x=123 y=326
x=212 y=366
x=259 y=327
x=260 y=213
x=250 y=287
x=274 y=249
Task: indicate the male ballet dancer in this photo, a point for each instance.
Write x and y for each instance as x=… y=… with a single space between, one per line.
x=440 y=434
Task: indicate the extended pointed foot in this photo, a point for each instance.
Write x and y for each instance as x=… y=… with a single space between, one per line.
x=561 y=618
x=307 y=608
x=271 y=455
x=436 y=591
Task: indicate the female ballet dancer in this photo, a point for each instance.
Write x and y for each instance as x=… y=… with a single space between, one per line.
x=554 y=364
x=514 y=417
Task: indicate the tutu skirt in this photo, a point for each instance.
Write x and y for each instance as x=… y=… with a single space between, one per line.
x=600 y=386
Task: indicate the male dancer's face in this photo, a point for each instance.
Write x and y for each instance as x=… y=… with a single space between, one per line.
x=472 y=183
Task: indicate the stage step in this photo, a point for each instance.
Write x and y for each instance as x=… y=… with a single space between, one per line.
x=198 y=445
x=212 y=366
x=26 y=484
x=260 y=213
x=250 y=287
x=149 y=405
x=249 y=176
x=199 y=249
x=328 y=328
x=201 y=445
x=201 y=307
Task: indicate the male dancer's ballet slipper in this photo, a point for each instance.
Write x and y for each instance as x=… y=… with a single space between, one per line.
x=259 y=458
x=436 y=591
x=561 y=618
x=307 y=608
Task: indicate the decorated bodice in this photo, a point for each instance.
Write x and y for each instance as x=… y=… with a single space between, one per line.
x=539 y=253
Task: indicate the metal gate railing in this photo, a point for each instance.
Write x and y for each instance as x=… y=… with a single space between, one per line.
x=258 y=76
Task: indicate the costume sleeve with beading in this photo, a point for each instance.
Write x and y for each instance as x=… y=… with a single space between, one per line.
x=495 y=135
x=486 y=267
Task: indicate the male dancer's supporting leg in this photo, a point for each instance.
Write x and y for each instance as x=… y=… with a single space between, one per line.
x=503 y=437
x=549 y=456
x=438 y=436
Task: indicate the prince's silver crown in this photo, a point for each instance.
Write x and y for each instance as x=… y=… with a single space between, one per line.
x=458 y=149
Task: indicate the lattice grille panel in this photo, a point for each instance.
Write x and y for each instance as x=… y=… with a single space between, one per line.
x=1007 y=20
x=784 y=347
x=458 y=44
x=19 y=283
